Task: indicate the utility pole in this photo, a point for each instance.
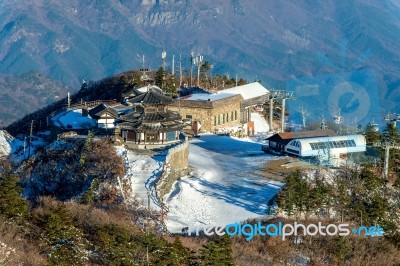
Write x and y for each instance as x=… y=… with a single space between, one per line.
x=24 y=147
x=173 y=65
x=68 y=100
x=30 y=139
x=387 y=146
x=163 y=56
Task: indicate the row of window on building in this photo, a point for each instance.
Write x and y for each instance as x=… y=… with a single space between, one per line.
x=333 y=144
x=225 y=118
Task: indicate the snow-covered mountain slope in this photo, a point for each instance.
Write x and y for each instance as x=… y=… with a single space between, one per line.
x=5 y=143
x=224 y=186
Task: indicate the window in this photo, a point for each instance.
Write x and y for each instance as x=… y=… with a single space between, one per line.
x=333 y=144
x=292 y=151
x=232 y=116
x=235 y=114
x=227 y=117
x=219 y=119
x=215 y=120
x=151 y=137
x=223 y=118
x=188 y=120
x=313 y=146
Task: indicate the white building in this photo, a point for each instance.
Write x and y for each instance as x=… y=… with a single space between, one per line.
x=103 y=116
x=326 y=147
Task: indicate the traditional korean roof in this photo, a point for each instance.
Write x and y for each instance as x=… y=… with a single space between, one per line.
x=150 y=97
x=131 y=93
x=101 y=109
x=155 y=121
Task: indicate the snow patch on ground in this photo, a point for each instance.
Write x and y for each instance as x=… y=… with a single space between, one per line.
x=142 y=172
x=72 y=119
x=224 y=185
x=260 y=124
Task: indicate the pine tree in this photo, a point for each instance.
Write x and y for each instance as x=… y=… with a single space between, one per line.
x=67 y=244
x=217 y=252
x=12 y=205
x=371 y=180
x=320 y=195
x=160 y=77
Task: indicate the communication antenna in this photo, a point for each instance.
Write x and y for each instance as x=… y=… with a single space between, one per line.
x=374 y=126
x=338 y=118
x=236 y=79
x=164 y=56
x=198 y=61
x=304 y=116
x=191 y=68
x=323 y=124
x=143 y=69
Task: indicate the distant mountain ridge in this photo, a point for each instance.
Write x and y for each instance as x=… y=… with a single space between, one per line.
x=285 y=43
x=21 y=95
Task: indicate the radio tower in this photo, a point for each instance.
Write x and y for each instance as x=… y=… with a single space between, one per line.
x=304 y=116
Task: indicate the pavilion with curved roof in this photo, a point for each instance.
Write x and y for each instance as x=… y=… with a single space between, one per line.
x=150 y=124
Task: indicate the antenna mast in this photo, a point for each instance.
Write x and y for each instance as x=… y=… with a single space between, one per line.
x=322 y=124
x=180 y=71
x=304 y=116
x=191 y=68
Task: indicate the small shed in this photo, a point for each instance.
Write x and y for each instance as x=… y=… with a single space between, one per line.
x=103 y=116
x=278 y=142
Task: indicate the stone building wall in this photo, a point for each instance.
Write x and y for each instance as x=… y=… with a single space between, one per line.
x=207 y=112
x=176 y=165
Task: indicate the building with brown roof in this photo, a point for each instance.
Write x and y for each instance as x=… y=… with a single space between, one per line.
x=278 y=142
x=222 y=110
x=211 y=111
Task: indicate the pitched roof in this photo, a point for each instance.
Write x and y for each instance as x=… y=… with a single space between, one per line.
x=102 y=108
x=307 y=134
x=200 y=102
x=133 y=92
x=207 y=97
x=286 y=137
x=151 y=97
x=248 y=91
